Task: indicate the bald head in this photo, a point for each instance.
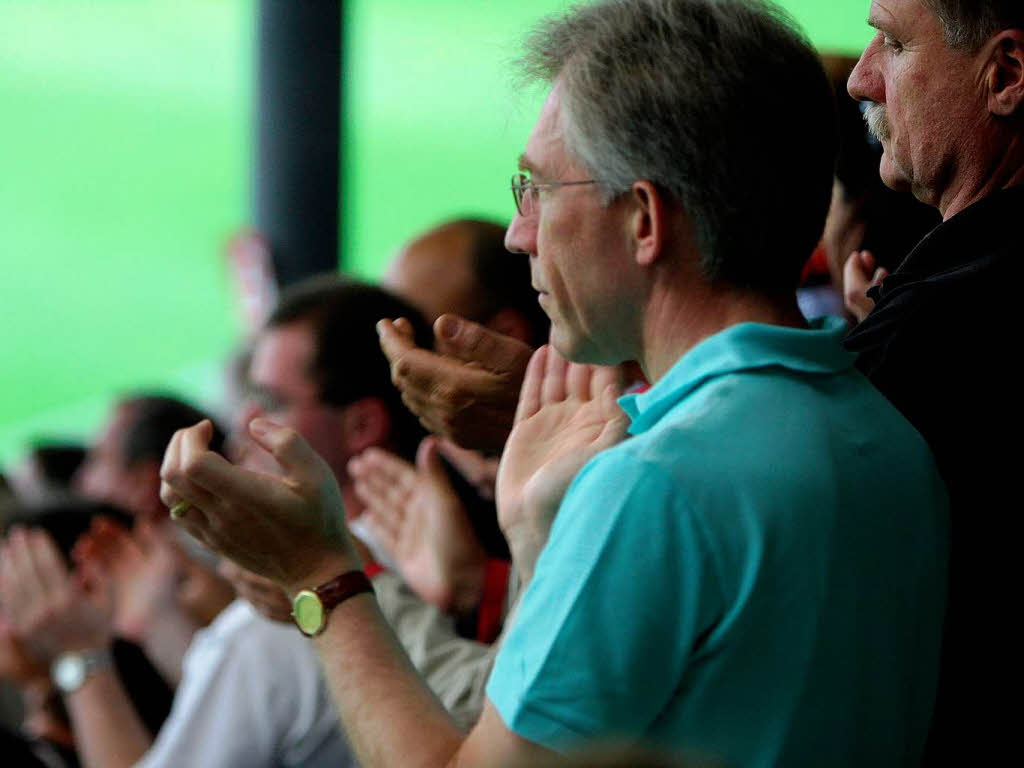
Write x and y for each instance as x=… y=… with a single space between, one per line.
x=462 y=268
x=435 y=272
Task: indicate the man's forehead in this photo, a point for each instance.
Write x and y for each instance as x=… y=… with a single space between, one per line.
x=896 y=15
x=282 y=351
x=545 y=152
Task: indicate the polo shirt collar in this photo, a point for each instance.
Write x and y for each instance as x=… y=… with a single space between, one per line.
x=742 y=347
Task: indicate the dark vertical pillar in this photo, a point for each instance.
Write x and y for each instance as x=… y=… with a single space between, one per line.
x=295 y=181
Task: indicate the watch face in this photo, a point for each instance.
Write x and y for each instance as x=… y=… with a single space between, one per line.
x=308 y=612
x=69 y=672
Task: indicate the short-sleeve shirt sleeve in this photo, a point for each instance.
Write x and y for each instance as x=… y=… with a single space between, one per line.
x=620 y=598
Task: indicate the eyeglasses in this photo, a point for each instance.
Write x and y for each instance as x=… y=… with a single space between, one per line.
x=524 y=191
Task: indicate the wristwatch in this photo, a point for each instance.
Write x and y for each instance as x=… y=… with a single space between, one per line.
x=311 y=606
x=69 y=671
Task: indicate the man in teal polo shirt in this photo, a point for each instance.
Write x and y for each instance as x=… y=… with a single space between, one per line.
x=755 y=575
x=748 y=575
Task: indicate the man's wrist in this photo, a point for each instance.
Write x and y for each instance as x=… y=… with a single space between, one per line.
x=329 y=568
x=71 y=670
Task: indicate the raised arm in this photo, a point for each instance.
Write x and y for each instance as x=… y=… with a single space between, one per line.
x=294 y=533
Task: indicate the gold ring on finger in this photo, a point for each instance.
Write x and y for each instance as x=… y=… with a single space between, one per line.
x=180 y=509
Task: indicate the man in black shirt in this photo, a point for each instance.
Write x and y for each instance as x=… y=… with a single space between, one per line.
x=946 y=84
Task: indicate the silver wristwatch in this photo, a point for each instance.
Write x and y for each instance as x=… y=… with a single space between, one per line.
x=69 y=671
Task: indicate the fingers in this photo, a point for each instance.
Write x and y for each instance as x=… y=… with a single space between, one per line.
x=428 y=458
x=383 y=481
x=605 y=378
x=577 y=381
x=32 y=568
x=183 y=488
x=474 y=343
x=395 y=338
x=204 y=478
x=404 y=327
x=553 y=388
x=287 y=446
x=429 y=466
x=385 y=529
x=858 y=276
x=867 y=261
x=530 y=394
x=858 y=268
x=472 y=465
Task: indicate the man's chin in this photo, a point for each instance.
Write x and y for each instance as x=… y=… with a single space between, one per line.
x=892 y=176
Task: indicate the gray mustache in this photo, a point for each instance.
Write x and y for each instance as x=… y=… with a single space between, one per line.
x=877 y=118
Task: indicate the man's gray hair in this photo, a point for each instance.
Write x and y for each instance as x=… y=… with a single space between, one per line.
x=720 y=103
x=968 y=24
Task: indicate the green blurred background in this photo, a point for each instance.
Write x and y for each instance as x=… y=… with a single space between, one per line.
x=125 y=147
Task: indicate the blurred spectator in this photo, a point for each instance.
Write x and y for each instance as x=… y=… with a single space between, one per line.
x=46 y=730
x=463 y=268
x=123 y=462
x=46 y=472
x=122 y=467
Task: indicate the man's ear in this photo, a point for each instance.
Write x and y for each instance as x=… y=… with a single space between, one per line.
x=647 y=223
x=1005 y=76
x=366 y=423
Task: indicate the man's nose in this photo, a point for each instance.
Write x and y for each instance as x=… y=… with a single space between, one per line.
x=865 y=82
x=521 y=235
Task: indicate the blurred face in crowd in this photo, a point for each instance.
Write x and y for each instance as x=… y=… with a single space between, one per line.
x=577 y=250
x=105 y=476
x=926 y=97
x=287 y=394
x=434 y=273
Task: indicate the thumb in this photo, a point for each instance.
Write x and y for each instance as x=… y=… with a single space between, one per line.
x=196 y=439
x=428 y=458
x=396 y=338
x=473 y=343
x=867 y=260
x=286 y=445
x=880 y=274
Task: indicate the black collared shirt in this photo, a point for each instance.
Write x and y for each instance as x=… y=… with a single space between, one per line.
x=943 y=343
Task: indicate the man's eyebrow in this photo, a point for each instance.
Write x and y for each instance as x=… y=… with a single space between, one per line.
x=525 y=163
x=875 y=23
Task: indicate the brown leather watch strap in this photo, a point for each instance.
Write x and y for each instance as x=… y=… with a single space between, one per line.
x=341 y=588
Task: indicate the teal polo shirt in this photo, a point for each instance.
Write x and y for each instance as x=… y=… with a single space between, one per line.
x=757 y=574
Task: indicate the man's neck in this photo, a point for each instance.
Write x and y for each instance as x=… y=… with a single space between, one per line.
x=675 y=324
x=1006 y=170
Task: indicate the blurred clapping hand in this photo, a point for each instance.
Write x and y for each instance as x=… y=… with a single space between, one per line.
x=418 y=520
x=465 y=390
x=51 y=608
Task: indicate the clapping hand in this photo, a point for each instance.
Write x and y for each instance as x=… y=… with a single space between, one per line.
x=415 y=515
x=861 y=273
x=467 y=388
x=289 y=527
x=52 y=609
x=567 y=414
x=143 y=568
